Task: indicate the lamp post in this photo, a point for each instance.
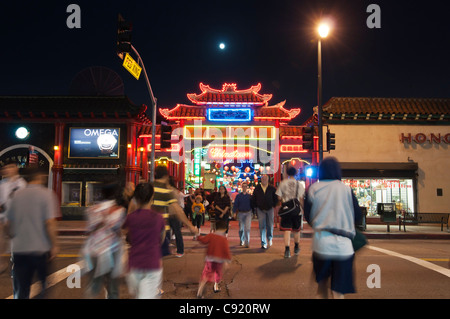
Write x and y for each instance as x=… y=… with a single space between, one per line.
x=154 y=107
x=323 y=31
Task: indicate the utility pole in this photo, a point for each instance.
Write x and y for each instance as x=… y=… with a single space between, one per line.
x=124 y=45
x=153 y=100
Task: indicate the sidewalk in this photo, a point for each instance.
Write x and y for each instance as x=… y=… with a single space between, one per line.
x=373 y=231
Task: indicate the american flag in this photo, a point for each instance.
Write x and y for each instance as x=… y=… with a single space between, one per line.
x=33 y=157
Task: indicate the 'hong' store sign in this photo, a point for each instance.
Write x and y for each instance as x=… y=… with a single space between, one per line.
x=421 y=138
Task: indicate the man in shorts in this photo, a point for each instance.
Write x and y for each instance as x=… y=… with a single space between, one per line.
x=288 y=189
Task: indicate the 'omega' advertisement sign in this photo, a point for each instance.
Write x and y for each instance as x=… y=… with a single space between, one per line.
x=94 y=143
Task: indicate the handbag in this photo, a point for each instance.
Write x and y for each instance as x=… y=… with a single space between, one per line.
x=291 y=206
x=359 y=241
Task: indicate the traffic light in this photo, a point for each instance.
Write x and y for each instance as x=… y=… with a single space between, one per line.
x=331 y=141
x=308 y=138
x=166 y=136
x=123 y=36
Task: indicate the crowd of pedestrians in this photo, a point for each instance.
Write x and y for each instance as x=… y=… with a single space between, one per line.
x=142 y=220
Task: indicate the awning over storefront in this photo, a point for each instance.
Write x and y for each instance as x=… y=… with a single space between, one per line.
x=407 y=169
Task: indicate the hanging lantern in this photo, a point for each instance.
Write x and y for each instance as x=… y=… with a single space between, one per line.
x=225 y=168
x=247 y=169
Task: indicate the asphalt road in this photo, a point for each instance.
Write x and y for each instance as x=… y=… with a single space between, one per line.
x=386 y=269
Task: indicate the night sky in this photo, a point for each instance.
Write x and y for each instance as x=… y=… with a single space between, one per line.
x=268 y=42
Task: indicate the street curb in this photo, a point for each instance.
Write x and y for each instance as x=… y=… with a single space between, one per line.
x=308 y=234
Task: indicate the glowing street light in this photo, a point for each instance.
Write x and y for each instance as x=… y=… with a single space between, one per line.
x=323 y=31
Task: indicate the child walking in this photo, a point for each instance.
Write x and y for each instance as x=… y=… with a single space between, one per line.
x=146 y=233
x=217 y=254
x=198 y=212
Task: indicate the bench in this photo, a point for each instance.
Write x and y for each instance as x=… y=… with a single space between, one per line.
x=424 y=218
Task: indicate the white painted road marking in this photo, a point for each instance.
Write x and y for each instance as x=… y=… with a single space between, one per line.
x=52 y=280
x=420 y=262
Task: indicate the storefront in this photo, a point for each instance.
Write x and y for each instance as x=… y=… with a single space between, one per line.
x=227 y=136
x=393 y=150
x=80 y=141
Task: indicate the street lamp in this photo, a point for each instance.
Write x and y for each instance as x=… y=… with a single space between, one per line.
x=323 y=31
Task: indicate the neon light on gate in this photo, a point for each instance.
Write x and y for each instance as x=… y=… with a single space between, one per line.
x=226 y=131
x=229 y=115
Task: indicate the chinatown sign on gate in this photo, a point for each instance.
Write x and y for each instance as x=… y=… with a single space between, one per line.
x=220 y=153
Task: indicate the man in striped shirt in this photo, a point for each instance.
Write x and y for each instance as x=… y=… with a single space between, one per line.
x=165 y=202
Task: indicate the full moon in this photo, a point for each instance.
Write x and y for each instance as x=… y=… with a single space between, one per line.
x=222 y=46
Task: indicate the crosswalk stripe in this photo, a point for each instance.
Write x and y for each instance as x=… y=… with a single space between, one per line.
x=52 y=280
x=420 y=262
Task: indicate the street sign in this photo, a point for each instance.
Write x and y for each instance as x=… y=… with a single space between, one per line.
x=132 y=66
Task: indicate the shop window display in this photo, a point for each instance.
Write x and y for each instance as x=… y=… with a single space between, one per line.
x=369 y=192
x=93 y=193
x=71 y=194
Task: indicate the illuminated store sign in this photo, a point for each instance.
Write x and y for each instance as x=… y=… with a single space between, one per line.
x=94 y=142
x=295 y=148
x=421 y=138
x=197 y=161
x=229 y=115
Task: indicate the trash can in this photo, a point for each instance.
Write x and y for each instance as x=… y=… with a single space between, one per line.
x=387 y=212
x=361 y=224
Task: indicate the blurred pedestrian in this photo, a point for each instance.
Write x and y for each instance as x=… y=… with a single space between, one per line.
x=332 y=209
x=198 y=213
x=217 y=254
x=127 y=194
x=166 y=204
x=222 y=206
x=31 y=224
x=242 y=208
x=291 y=193
x=104 y=248
x=145 y=230
x=174 y=222
x=264 y=199
x=189 y=200
x=10 y=183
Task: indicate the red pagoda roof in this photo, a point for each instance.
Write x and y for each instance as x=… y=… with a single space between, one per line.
x=264 y=113
x=229 y=95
